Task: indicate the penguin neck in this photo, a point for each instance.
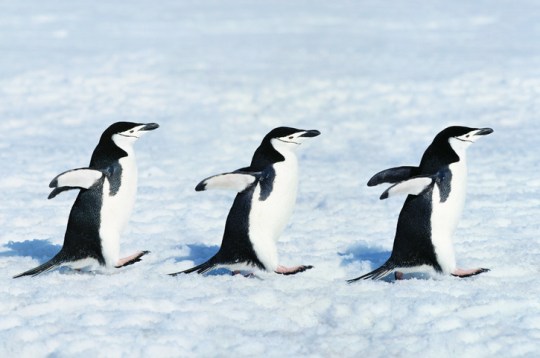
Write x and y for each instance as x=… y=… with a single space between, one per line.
x=264 y=156
x=286 y=181
x=124 y=144
x=459 y=172
x=109 y=151
x=288 y=166
x=459 y=167
x=129 y=173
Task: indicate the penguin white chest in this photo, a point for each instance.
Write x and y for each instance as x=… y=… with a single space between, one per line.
x=269 y=215
x=273 y=213
x=445 y=216
x=116 y=210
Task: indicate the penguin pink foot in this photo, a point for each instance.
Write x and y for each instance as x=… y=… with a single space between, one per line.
x=468 y=272
x=282 y=270
x=398 y=275
x=130 y=260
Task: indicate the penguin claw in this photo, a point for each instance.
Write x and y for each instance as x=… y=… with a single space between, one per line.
x=282 y=270
x=130 y=260
x=461 y=273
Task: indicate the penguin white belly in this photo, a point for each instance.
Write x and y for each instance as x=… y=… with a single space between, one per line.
x=445 y=216
x=268 y=218
x=116 y=210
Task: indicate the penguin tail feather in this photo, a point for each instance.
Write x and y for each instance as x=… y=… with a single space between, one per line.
x=47 y=266
x=200 y=269
x=375 y=274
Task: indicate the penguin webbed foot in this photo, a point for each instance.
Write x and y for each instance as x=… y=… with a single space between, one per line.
x=462 y=273
x=130 y=260
x=282 y=270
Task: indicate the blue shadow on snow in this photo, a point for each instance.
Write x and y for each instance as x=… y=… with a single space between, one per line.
x=41 y=250
x=375 y=256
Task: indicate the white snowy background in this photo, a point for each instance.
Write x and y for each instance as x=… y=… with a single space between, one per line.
x=378 y=78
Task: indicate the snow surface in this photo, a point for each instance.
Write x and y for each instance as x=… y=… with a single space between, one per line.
x=379 y=79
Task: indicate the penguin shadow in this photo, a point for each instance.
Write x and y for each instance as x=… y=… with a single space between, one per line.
x=199 y=254
x=41 y=250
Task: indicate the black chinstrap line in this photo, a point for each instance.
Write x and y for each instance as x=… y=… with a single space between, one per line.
x=285 y=141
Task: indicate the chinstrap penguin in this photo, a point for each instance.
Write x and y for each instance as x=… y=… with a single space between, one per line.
x=104 y=204
x=436 y=195
x=264 y=203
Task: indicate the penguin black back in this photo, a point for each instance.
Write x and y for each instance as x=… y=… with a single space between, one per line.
x=236 y=244
x=83 y=224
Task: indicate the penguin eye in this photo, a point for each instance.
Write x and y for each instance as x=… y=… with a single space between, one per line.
x=291 y=137
x=131 y=131
x=467 y=136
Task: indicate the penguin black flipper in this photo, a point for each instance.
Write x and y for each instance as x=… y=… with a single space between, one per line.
x=47 y=266
x=57 y=191
x=393 y=175
x=239 y=180
x=81 y=178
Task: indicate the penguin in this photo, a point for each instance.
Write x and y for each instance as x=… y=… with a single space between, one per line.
x=104 y=204
x=266 y=195
x=436 y=195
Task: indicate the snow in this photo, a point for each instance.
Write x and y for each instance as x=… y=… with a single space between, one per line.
x=378 y=79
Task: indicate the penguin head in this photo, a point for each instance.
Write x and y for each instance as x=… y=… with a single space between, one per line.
x=117 y=141
x=277 y=143
x=460 y=138
x=449 y=146
x=124 y=134
x=285 y=139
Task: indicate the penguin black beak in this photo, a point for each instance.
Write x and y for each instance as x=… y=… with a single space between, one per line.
x=150 y=127
x=484 y=131
x=311 y=133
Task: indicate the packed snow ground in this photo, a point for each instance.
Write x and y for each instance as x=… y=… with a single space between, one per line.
x=378 y=79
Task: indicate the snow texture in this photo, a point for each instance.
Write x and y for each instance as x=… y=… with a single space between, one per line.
x=379 y=79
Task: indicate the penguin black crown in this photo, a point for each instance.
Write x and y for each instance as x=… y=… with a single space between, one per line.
x=104 y=204
x=264 y=203
x=436 y=195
